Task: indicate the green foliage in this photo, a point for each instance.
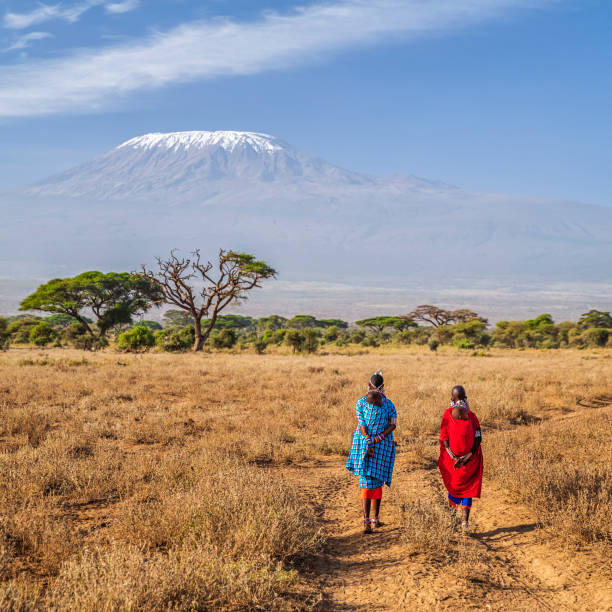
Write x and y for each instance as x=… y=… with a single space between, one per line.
x=62 y=320
x=248 y=265
x=4 y=335
x=331 y=334
x=152 y=325
x=260 y=346
x=378 y=324
x=463 y=343
x=403 y=323
x=42 y=334
x=594 y=336
x=326 y=323
x=357 y=336
x=541 y=322
x=274 y=337
x=595 y=318
x=433 y=345
x=20 y=327
x=271 y=323
x=139 y=338
x=301 y=322
x=176 y=318
x=175 y=340
x=311 y=340
x=369 y=341
x=113 y=298
x=226 y=338
x=295 y=339
x=232 y=322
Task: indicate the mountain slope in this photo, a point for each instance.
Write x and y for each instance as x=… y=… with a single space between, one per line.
x=311 y=219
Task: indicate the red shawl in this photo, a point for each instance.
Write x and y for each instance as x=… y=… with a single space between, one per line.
x=465 y=481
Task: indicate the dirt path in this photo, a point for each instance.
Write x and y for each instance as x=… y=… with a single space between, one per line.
x=509 y=564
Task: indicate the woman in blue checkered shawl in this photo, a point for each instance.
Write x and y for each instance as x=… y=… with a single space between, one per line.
x=373 y=452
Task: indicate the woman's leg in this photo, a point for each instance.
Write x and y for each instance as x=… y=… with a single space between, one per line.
x=465 y=511
x=376 y=507
x=366 y=503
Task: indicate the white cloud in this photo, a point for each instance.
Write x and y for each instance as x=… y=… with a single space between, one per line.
x=71 y=14
x=122 y=7
x=19 y=21
x=27 y=39
x=91 y=79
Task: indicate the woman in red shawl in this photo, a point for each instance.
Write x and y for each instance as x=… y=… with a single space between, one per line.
x=460 y=459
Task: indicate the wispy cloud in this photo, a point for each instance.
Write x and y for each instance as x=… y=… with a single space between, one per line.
x=27 y=39
x=91 y=79
x=71 y=13
x=122 y=7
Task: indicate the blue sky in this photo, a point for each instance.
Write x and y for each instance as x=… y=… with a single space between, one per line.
x=500 y=95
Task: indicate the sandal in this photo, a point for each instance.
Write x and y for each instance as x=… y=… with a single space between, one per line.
x=367 y=527
x=465 y=526
x=377 y=522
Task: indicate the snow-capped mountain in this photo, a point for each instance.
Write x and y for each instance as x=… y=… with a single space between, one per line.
x=311 y=219
x=192 y=165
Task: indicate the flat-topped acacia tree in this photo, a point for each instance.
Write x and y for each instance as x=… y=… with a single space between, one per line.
x=225 y=282
x=113 y=298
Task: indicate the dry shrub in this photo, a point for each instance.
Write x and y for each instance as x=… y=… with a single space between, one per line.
x=236 y=510
x=35 y=536
x=563 y=472
x=432 y=529
x=428 y=526
x=190 y=577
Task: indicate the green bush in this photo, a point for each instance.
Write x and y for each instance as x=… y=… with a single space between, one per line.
x=357 y=336
x=549 y=344
x=463 y=343
x=433 y=345
x=4 y=335
x=19 y=328
x=175 y=340
x=405 y=337
x=331 y=334
x=139 y=338
x=295 y=339
x=152 y=325
x=226 y=338
x=260 y=346
x=595 y=336
x=421 y=336
x=271 y=336
x=42 y=334
x=311 y=340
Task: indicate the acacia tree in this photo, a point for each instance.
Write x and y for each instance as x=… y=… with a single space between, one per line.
x=439 y=316
x=431 y=314
x=226 y=282
x=378 y=324
x=113 y=298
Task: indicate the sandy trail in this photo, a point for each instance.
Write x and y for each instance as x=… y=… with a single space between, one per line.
x=510 y=563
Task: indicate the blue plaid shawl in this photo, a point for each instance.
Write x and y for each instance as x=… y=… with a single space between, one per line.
x=375 y=419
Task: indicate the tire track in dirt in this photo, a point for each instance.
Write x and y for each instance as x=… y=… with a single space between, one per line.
x=513 y=566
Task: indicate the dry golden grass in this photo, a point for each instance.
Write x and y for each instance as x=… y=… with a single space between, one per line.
x=151 y=481
x=563 y=470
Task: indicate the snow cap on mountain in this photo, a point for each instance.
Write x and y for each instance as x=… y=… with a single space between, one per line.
x=229 y=140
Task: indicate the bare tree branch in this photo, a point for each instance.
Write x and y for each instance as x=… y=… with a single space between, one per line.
x=236 y=274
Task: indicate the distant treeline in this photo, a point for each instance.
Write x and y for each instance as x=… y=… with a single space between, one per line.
x=92 y=309
x=426 y=325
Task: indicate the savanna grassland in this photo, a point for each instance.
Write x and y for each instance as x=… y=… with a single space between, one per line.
x=216 y=481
